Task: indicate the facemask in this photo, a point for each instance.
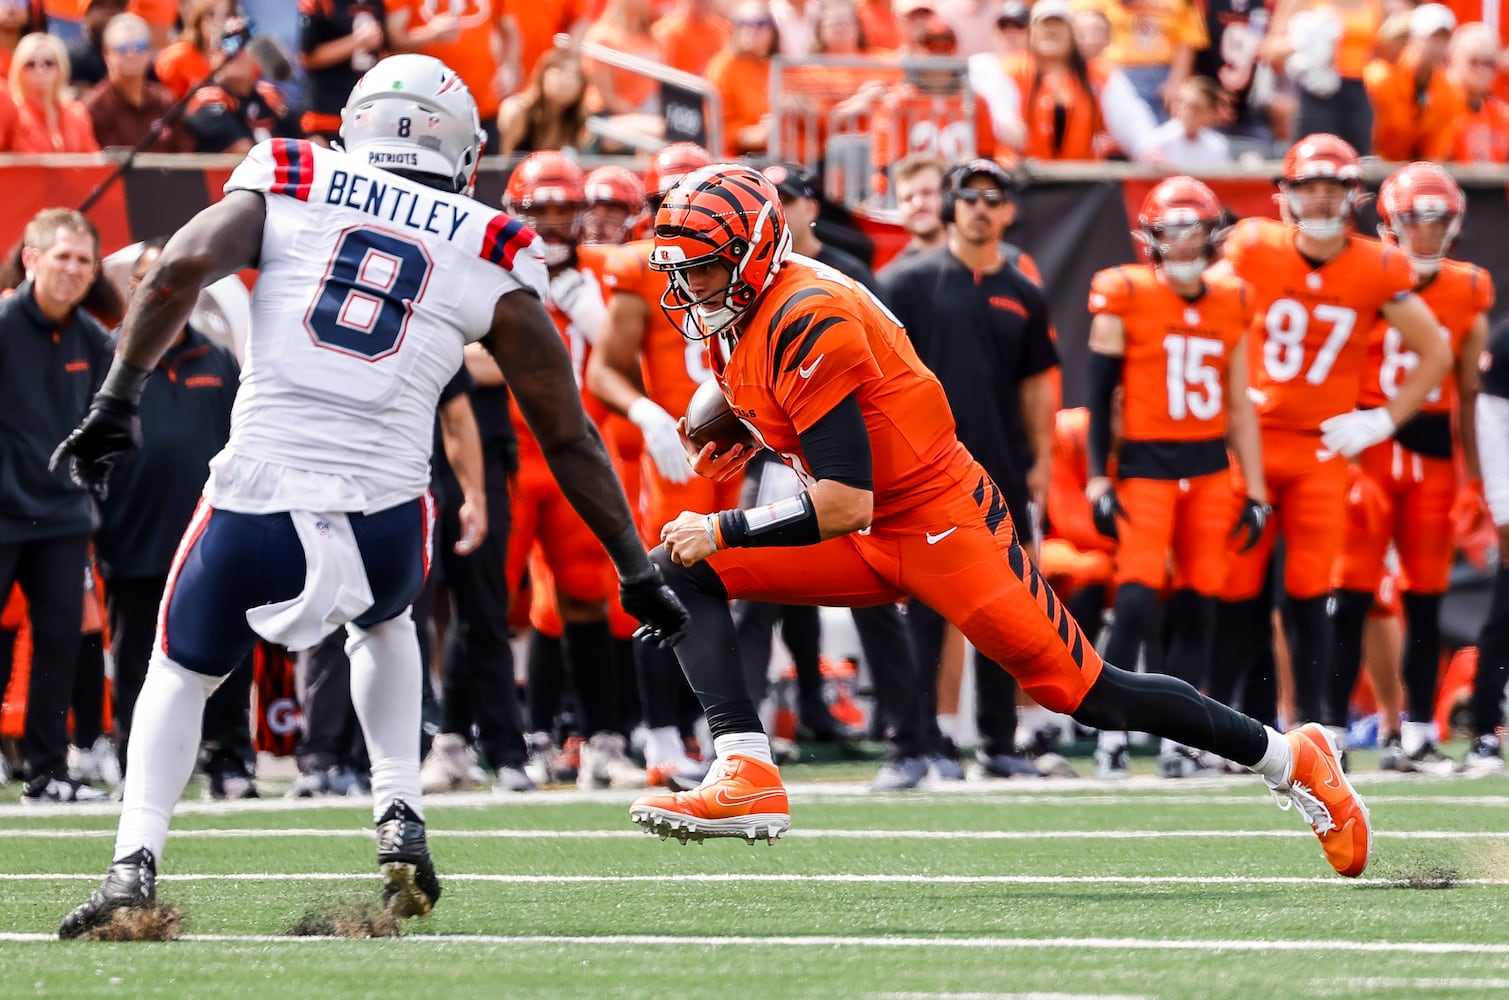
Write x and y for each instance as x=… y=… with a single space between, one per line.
x=1187 y=270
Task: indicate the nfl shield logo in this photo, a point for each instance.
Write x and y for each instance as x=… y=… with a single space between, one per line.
x=434 y=122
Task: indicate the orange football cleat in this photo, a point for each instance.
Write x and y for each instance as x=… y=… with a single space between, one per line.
x=1320 y=790
x=742 y=797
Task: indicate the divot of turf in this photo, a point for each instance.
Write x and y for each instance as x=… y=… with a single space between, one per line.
x=355 y=920
x=159 y=922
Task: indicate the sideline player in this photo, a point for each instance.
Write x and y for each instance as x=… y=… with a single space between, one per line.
x=1413 y=478
x=825 y=376
x=1317 y=289
x=1171 y=339
x=377 y=267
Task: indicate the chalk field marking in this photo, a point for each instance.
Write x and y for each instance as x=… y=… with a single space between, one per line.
x=797 y=834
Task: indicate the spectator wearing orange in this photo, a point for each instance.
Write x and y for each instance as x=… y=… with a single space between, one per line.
x=124 y=106
x=987 y=70
x=929 y=112
x=161 y=16
x=877 y=21
x=741 y=76
x=690 y=34
x=1472 y=63
x=339 y=40
x=239 y=111
x=1154 y=43
x=625 y=27
x=551 y=112
x=819 y=93
x=472 y=38
x=1416 y=110
x=65 y=18
x=1324 y=46
x=536 y=25
x=16 y=20
x=1067 y=107
x=185 y=64
x=46 y=122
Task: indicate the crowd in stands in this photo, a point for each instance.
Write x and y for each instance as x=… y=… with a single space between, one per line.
x=1178 y=83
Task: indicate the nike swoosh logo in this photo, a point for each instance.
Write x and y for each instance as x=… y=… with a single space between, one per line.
x=933 y=539
x=724 y=799
x=807 y=371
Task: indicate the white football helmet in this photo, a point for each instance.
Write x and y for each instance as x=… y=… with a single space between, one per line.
x=412 y=112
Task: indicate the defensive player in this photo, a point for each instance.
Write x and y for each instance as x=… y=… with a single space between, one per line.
x=821 y=373
x=1172 y=340
x=1413 y=478
x=1317 y=289
x=376 y=269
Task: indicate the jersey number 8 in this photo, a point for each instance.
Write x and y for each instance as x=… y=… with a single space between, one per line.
x=367 y=294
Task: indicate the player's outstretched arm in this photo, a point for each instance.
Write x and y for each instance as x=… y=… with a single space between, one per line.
x=222 y=239
x=533 y=359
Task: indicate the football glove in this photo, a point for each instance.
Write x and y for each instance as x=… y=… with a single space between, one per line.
x=576 y=293
x=1350 y=434
x=110 y=429
x=662 y=440
x=662 y=616
x=1104 y=511
x=1250 y=523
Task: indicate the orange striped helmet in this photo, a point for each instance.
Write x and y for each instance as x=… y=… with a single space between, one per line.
x=611 y=190
x=727 y=214
x=1417 y=196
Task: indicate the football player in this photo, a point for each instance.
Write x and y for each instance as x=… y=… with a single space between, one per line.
x=1172 y=340
x=1414 y=476
x=822 y=374
x=377 y=268
x=615 y=205
x=1318 y=288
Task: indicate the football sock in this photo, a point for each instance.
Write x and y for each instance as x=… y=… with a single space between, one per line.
x=587 y=648
x=749 y=744
x=663 y=746
x=1111 y=740
x=1193 y=620
x=948 y=725
x=164 y=745
x=1416 y=736
x=1422 y=653
x=386 y=684
x=1493 y=660
x=1309 y=657
x=1136 y=607
x=1277 y=762
x=1348 y=618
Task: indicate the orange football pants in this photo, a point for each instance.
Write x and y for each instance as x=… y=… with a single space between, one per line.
x=541 y=513
x=1186 y=520
x=1309 y=498
x=960 y=558
x=1404 y=497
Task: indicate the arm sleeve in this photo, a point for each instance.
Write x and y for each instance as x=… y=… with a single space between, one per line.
x=1105 y=376
x=837 y=446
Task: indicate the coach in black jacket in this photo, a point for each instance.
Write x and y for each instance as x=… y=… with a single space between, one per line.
x=52 y=358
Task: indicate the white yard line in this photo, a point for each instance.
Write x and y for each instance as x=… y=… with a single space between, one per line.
x=1348 y=987
x=1309 y=946
x=721 y=878
x=797 y=833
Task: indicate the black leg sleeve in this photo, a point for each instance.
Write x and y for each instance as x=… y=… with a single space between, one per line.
x=1422 y=654
x=89 y=690
x=587 y=648
x=801 y=631
x=1487 y=705
x=1191 y=629
x=544 y=679
x=1136 y=610
x=1087 y=605
x=1310 y=655
x=1236 y=625
x=660 y=685
x=1167 y=707
x=1348 y=620
x=995 y=706
x=709 y=653
x=754 y=627
x=926 y=627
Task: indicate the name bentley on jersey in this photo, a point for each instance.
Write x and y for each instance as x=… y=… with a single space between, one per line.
x=394 y=202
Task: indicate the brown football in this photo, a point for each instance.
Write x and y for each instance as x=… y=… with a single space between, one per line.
x=708 y=418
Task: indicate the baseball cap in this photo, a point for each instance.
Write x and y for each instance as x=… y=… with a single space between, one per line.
x=905 y=7
x=1427 y=19
x=1044 y=9
x=791 y=180
x=1014 y=14
x=982 y=166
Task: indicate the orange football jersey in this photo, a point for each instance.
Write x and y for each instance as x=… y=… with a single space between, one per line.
x=1177 y=352
x=817 y=337
x=670 y=366
x=1458 y=295
x=1310 y=325
x=592 y=259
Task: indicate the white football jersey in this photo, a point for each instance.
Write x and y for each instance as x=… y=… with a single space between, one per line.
x=370 y=284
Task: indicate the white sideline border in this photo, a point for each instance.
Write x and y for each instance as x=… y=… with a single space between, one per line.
x=721 y=878
x=838 y=941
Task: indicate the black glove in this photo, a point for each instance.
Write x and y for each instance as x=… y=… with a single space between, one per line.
x=1251 y=522
x=1104 y=511
x=662 y=615
x=110 y=429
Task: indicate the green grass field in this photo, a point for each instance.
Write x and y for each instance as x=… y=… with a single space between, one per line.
x=1016 y=889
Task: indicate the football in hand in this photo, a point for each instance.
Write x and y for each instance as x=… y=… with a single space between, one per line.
x=709 y=418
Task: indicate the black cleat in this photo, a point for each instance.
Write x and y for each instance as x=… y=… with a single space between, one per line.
x=409 y=885
x=131 y=883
